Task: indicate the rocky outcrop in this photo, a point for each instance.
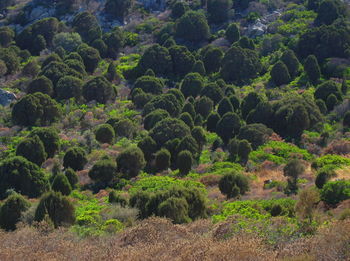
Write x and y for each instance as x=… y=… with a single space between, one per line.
x=6 y=97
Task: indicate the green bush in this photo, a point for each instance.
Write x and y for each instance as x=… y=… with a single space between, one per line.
x=193 y=27
x=149 y=84
x=103 y=171
x=50 y=139
x=175 y=209
x=131 y=161
x=218 y=10
x=232 y=33
x=99 y=89
x=72 y=177
x=182 y=60
x=192 y=85
x=104 y=133
x=57 y=207
x=61 y=184
x=32 y=149
x=162 y=159
x=91 y=58
x=279 y=74
x=156 y=58
x=184 y=162
x=233 y=185
x=41 y=84
x=69 y=87
x=334 y=192
x=75 y=158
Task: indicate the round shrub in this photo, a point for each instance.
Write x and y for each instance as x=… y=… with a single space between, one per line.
x=279 y=74
x=57 y=207
x=175 y=209
x=192 y=85
x=149 y=84
x=103 y=171
x=32 y=149
x=334 y=192
x=61 y=184
x=232 y=33
x=193 y=27
x=91 y=58
x=72 y=177
x=41 y=84
x=69 y=87
x=50 y=139
x=104 y=133
x=75 y=158
x=99 y=89
x=131 y=161
x=233 y=185
x=184 y=162
x=162 y=159
x=154 y=117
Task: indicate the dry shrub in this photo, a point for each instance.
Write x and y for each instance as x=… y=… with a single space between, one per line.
x=340 y=147
x=210 y=180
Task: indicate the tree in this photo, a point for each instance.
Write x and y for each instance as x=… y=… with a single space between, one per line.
x=149 y=84
x=225 y=106
x=156 y=58
x=204 y=106
x=99 y=89
x=162 y=159
x=256 y=134
x=233 y=184
x=188 y=143
x=327 y=12
x=298 y=121
x=57 y=207
x=192 y=85
x=169 y=129
x=292 y=63
x=212 y=121
x=249 y=103
x=125 y=128
x=232 y=148
x=293 y=170
x=188 y=107
x=212 y=59
x=246 y=43
x=312 y=68
x=228 y=126
x=154 y=117
x=175 y=209
x=68 y=41
x=35 y=109
x=240 y=65
x=86 y=24
x=334 y=192
x=193 y=27
x=50 y=139
x=75 y=158
x=56 y=70
x=61 y=184
x=232 y=33
x=179 y=9
x=244 y=149
x=331 y=102
x=182 y=59
x=131 y=161
x=112 y=74
x=212 y=91
x=148 y=147
x=279 y=74
x=327 y=88
x=184 y=162
x=23 y=176
x=114 y=40
x=91 y=57
x=72 y=177
x=323 y=177
x=32 y=149
x=199 y=135
x=6 y=36
x=105 y=133
x=198 y=67
x=11 y=211
x=118 y=8
x=69 y=87
x=41 y=84
x=167 y=101
x=218 y=10
x=11 y=60
x=186 y=118
x=104 y=170
x=178 y=95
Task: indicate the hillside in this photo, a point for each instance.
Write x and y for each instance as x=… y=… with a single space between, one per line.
x=174 y=130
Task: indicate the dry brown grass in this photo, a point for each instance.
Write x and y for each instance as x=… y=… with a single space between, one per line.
x=158 y=239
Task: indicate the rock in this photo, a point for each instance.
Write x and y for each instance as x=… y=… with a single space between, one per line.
x=6 y=97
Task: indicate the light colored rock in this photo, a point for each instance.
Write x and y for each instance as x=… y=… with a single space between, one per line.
x=6 y=97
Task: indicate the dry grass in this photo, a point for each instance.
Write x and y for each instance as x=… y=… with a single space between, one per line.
x=158 y=239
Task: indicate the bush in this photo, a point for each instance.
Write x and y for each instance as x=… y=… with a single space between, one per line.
x=50 y=139
x=6 y=36
x=149 y=84
x=148 y=147
x=118 y=8
x=193 y=27
x=114 y=41
x=167 y=102
x=75 y=158
x=91 y=58
x=86 y=24
x=233 y=185
x=57 y=207
x=334 y=192
x=72 y=177
x=192 y=85
x=228 y=126
x=154 y=117
x=182 y=59
x=11 y=211
x=32 y=149
x=232 y=33
x=61 y=184
x=23 y=176
x=179 y=9
x=175 y=209
x=244 y=149
x=327 y=88
x=10 y=58
x=212 y=121
x=115 y=197
x=312 y=68
x=212 y=91
x=156 y=58
x=218 y=10
x=186 y=118
x=323 y=177
x=256 y=134
x=125 y=128
x=69 y=87
x=103 y=171
x=105 y=133
x=292 y=63
x=212 y=59
x=41 y=84
x=131 y=161
x=68 y=41
x=184 y=162
x=225 y=106
x=293 y=170
x=279 y=74
x=162 y=159
x=99 y=89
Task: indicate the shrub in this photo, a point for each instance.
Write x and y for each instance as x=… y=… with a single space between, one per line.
x=322 y=178
x=203 y=106
x=184 y=162
x=186 y=118
x=11 y=211
x=244 y=149
x=118 y=8
x=131 y=161
x=228 y=126
x=212 y=59
x=179 y=9
x=162 y=159
x=72 y=177
x=50 y=139
x=212 y=91
x=69 y=87
x=279 y=74
x=61 y=184
x=91 y=58
x=167 y=102
x=23 y=176
x=154 y=117
x=86 y=24
x=115 y=197
x=212 y=121
x=193 y=27
x=114 y=41
x=41 y=84
x=175 y=209
x=32 y=149
x=256 y=134
x=148 y=147
x=192 y=85
x=334 y=192
x=149 y=84
x=293 y=170
x=292 y=63
x=103 y=171
x=233 y=185
x=105 y=133
x=99 y=89
x=225 y=106
x=156 y=58
x=75 y=158
x=232 y=33
x=68 y=41
x=6 y=36
x=125 y=128
x=57 y=207
x=218 y=10
x=312 y=68
x=327 y=88
x=11 y=60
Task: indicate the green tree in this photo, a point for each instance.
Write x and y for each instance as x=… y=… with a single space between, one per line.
x=41 y=84
x=212 y=59
x=72 y=177
x=182 y=59
x=148 y=147
x=125 y=128
x=213 y=91
x=99 y=89
x=218 y=10
x=105 y=133
x=327 y=12
x=233 y=185
x=32 y=149
x=192 y=85
x=188 y=143
x=57 y=207
x=249 y=103
x=228 y=126
x=149 y=84
x=256 y=134
x=154 y=117
x=91 y=58
x=184 y=162
x=162 y=159
x=198 y=67
x=11 y=211
x=244 y=149
x=312 y=68
x=103 y=171
x=61 y=184
x=279 y=74
x=131 y=161
x=10 y=58
x=68 y=41
x=212 y=121
x=292 y=63
x=232 y=33
x=118 y=8
x=75 y=158
x=327 y=88
x=199 y=135
x=114 y=40
x=111 y=74
x=167 y=101
x=175 y=209
x=204 y=106
x=225 y=106
x=344 y=86
x=193 y=27
x=331 y=102
x=179 y=9
x=156 y=58
x=334 y=192
x=186 y=118
x=86 y=24
x=50 y=139
x=6 y=36
x=293 y=170
x=23 y=176
x=69 y=87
